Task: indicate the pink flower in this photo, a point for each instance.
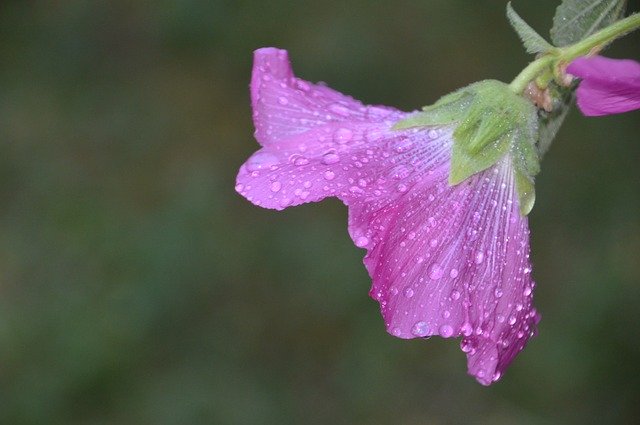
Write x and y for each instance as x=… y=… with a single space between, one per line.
x=608 y=86
x=445 y=260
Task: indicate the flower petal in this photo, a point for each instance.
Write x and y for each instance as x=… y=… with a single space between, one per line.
x=311 y=151
x=453 y=261
x=285 y=106
x=608 y=86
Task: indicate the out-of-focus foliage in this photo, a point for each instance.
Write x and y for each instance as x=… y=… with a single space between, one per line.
x=137 y=288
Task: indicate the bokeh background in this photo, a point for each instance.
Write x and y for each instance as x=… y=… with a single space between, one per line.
x=136 y=287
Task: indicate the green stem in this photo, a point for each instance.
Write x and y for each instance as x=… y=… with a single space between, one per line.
x=530 y=73
x=600 y=38
x=569 y=53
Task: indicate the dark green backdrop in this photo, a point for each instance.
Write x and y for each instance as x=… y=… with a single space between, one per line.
x=137 y=288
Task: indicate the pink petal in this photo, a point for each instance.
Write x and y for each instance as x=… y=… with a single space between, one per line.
x=357 y=162
x=285 y=106
x=454 y=261
x=608 y=86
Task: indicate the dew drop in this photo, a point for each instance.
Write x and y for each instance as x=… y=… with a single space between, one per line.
x=527 y=291
x=342 y=135
x=301 y=160
x=408 y=292
x=285 y=202
x=479 y=257
x=339 y=109
x=283 y=100
x=467 y=345
x=453 y=274
x=435 y=272
x=401 y=188
x=466 y=329
x=275 y=186
x=446 y=331
x=497 y=293
x=455 y=295
x=261 y=161
x=362 y=241
x=420 y=329
x=329 y=175
x=330 y=158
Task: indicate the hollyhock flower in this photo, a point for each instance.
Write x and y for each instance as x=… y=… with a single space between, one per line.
x=445 y=260
x=608 y=86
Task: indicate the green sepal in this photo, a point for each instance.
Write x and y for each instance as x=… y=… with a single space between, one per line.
x=490 y=121
x=526 y=192
x=532 y=41
x=446 y=110
x=577 y=19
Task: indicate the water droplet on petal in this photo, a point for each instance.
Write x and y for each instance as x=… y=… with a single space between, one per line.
x=446 y=331
x=339 y=109
x=454 y=273
x=329 y=175
x=275 y=186
x=396 y=331
x=527 y=291
x=301 y=160
x=455 y=295
x=497 y=293
x=283 y=100
x=330 y=158
x=512 y=320
x=343 y=135
x=362 y=241
x=261 y=161
x=466 y=329
x=402 y=188
x=408 y=292
x=420 y=329
x=467 y=345
x=285 y=202
x=435 y=272
x=479 y=257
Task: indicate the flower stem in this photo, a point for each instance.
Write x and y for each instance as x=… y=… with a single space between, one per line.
x=528 y=74
x=602 y=37
x=569 y=53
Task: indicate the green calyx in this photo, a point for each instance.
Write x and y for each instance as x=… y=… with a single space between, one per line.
x=490 y=121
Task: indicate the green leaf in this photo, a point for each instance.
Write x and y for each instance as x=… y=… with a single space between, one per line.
x=577 y=19
x=532 y=41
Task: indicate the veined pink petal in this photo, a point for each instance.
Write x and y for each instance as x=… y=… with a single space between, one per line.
x=608 y=86
x=448 y=261
x=284 y=106
x=454 y=261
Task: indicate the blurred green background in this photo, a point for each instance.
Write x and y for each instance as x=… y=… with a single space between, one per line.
x=136 y=287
